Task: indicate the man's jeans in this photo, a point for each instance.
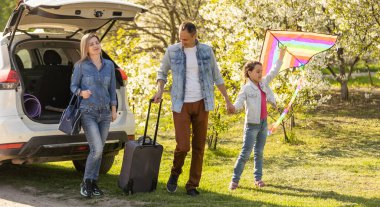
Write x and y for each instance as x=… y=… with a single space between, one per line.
x=96 y=124
x=255 y=136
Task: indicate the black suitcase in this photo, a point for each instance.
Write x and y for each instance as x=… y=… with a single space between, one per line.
x=141 y=162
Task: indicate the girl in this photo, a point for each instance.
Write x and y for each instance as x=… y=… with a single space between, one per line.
x=94 y=80
x=255 y=93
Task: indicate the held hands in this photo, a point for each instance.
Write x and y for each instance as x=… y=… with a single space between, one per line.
x=85 y=94
x=230 y=107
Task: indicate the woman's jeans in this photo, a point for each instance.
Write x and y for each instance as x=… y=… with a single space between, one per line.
x=96 y=124
x=255 y=136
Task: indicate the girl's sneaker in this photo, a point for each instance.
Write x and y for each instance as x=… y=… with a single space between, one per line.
x=233 y=185
x=259 y=183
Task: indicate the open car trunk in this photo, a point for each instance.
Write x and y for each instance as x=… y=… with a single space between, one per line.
x=45 y=67
x=45 y=64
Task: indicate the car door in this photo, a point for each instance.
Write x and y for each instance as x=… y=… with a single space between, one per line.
x=70 y=15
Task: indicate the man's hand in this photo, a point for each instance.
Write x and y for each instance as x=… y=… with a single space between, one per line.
x=157 y=97
x=230 y=107
x=160 y=90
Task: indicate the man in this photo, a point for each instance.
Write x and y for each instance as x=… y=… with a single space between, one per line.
x=194 y=72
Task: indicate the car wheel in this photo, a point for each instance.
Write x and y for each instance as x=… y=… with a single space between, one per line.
x=105 y=165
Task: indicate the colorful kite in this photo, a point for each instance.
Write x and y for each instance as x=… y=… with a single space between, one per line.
x=300 y=48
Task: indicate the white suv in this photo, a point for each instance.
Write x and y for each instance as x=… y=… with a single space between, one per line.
x=38 y=48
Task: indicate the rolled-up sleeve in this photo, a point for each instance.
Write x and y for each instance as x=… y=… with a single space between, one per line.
x=112 y=87
x=75 y=80
x=162 y=72
x=217 y=76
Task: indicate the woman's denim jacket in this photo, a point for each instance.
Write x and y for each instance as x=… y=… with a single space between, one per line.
x=175 y=60
x=101 y=83
x=250 y=95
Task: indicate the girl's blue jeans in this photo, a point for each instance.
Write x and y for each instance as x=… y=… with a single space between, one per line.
x=255 y=136
x=96 y=124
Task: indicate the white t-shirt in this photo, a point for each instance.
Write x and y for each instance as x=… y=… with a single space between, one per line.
x=193 y=90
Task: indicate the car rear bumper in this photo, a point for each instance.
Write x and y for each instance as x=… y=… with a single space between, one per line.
x=59 y=148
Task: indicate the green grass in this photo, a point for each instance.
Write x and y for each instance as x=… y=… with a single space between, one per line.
x=360 y=68
x=358 y=82
x=335 y=163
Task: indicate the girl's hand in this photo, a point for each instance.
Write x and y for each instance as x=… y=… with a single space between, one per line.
x=282 y=52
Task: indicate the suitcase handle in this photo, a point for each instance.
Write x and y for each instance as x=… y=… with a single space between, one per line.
x=147 y=119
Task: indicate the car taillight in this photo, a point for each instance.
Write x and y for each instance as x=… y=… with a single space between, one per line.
x=123 y=74
x=131 y=137
x=81 y=149
x=11 y=146
x=8 y=79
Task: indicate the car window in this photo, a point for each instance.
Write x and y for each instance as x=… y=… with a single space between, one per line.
x=59 y=51
x=25 y=58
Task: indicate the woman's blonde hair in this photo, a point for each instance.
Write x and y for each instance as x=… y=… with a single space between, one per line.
x=84 y=45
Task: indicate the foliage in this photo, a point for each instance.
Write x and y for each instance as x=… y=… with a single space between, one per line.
x=6 y=9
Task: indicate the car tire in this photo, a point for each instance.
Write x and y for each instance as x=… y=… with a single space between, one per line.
x=105 y=165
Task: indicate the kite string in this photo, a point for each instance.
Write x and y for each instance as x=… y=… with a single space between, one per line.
x=286 y=110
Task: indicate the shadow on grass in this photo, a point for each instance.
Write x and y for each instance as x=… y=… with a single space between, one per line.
x=51 y=179
x=299 y=192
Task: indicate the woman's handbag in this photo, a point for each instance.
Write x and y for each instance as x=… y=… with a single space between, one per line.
x=70 y=120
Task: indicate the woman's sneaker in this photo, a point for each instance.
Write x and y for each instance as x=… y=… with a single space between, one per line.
x=95 y=189
x=86 y=188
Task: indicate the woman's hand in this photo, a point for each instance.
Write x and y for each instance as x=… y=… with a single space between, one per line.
x=85 y=94
x=114 y=113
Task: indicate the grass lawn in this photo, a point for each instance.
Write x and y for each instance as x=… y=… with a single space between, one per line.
x=358 y=82
x=336 y=162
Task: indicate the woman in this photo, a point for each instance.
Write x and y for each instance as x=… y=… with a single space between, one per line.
x=94 y=80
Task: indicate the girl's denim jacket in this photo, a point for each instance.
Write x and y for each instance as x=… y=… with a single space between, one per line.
x=101 y=83
x=250 y=95
x=175 y=60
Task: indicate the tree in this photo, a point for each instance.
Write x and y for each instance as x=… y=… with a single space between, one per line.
x=238 y=36
x=7 y=6
x=358 y=30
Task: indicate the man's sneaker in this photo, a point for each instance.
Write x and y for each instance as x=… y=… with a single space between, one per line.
x=192 y=192
x=86 y=188
x=95 y=189
x=171 y=186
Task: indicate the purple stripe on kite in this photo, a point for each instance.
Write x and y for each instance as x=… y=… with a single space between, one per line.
x=270 y=57
x=286 y=111
x=306 y=40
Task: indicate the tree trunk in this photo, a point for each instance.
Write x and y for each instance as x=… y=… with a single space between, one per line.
x=292 y=122
x=215 y=140
x=369 y=74
x=344 y=90
x=284 y=130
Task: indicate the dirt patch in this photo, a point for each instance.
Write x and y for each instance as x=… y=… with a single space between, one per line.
x=30 y=196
